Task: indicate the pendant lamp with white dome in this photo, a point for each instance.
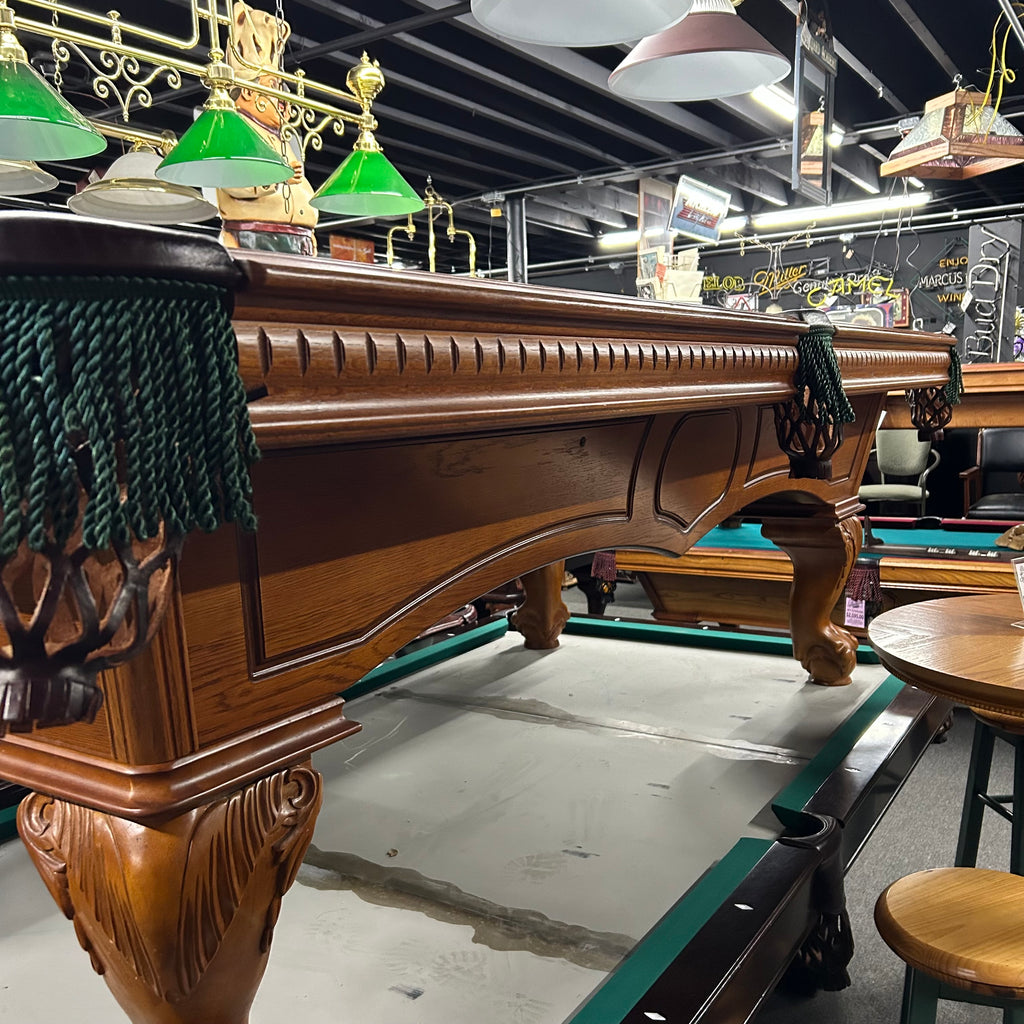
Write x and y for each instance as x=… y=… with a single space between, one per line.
x=130 y=191
x=711 y=54
x=24 y=178
x=578 y=22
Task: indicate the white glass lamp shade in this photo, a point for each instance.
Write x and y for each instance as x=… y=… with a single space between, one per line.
x=578 y=22
x=130 y=191
x=712 y=53
x=23 y=178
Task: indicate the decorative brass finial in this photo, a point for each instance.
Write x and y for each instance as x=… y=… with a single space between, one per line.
x=365 y=81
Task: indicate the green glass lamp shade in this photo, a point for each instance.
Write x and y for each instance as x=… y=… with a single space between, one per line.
x=37 y=123
x=367 y=185
x=221 y=150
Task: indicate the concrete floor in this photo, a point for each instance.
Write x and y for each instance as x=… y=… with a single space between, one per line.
x=505 y=827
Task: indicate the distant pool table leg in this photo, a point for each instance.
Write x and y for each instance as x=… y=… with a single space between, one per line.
x=178 y=916
x=543 y=615
x=822 y=551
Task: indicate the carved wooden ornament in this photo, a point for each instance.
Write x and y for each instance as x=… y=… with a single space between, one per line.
x=178 y=918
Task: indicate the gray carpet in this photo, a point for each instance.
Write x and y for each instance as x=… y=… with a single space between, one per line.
x=919 y=831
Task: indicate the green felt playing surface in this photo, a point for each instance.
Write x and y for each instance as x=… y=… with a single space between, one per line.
x=747 y=537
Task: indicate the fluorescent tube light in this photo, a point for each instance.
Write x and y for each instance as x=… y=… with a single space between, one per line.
x=777 y=100
x=618 y=239
x=734 y=224
x=839 y=211
x=781 y=103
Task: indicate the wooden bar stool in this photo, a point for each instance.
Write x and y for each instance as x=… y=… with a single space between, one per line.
x=960 y=931
x=977 y=798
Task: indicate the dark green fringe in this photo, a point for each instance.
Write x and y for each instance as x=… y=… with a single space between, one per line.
x=955 y=387
x=119 y=387
x=818 y=373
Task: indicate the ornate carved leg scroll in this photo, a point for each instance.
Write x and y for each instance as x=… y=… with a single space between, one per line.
x=178 y=917
x=543 y=615
x=823 y=552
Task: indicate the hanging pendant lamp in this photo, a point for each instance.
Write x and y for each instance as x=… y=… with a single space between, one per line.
x=578 y=22
x=367 y=184
x=221 y=149
x=130 y=191
x=959 y=137
x=24 y=178
x=712 y=53
x=36 y=122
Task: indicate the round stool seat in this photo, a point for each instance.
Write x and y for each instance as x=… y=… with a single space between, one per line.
x=963 y=926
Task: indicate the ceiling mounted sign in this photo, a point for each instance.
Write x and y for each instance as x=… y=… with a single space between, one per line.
x=698 y=210
x=811 y=171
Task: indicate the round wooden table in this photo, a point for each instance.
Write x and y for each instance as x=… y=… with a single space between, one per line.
x=963 y=648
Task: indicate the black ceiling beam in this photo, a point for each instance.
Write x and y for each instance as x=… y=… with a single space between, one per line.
x=371 y=35
x=323 y=49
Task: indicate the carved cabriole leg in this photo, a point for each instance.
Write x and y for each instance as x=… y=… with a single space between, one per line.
x=822 y=552
x=178 y=917
x=543 y=615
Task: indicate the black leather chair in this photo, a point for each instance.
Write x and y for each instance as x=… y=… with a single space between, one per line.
x=994 y=488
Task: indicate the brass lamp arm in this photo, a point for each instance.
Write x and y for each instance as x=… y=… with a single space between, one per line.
x=409 y=228
x=364 y=81
x=112 y=23
x=472 y=249
x=162 y=141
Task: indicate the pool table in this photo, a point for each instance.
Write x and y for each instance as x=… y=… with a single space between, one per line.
x=992 y=398
x=424 y=439
x=735 y=576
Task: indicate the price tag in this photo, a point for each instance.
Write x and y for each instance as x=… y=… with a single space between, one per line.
x=966 y=301
x=1018 y=572
x=855 y=612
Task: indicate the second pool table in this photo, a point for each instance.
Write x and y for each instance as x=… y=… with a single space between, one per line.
x=735 y=577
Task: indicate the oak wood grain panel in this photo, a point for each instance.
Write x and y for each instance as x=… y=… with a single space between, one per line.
x=960 y=925
x=416 y=530
x=964 y=648
x=381 y=524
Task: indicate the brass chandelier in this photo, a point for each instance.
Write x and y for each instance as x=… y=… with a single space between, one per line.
x=125 y=61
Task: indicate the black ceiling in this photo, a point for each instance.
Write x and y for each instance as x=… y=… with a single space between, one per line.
x=480 y=115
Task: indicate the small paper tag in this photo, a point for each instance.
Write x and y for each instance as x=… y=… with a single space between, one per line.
x=855 y=612
x=966 y=301
x=1018 y=572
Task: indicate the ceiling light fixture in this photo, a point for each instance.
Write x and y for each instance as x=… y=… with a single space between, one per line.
x=618 y=239
x=578 y=22
x=220 y=149
x=712 y=53
x=960 y=136
x=130 y=191
x=367 y=184
x=733 y=224
x=36 y=122
x=839 y=211
x=23 y=178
